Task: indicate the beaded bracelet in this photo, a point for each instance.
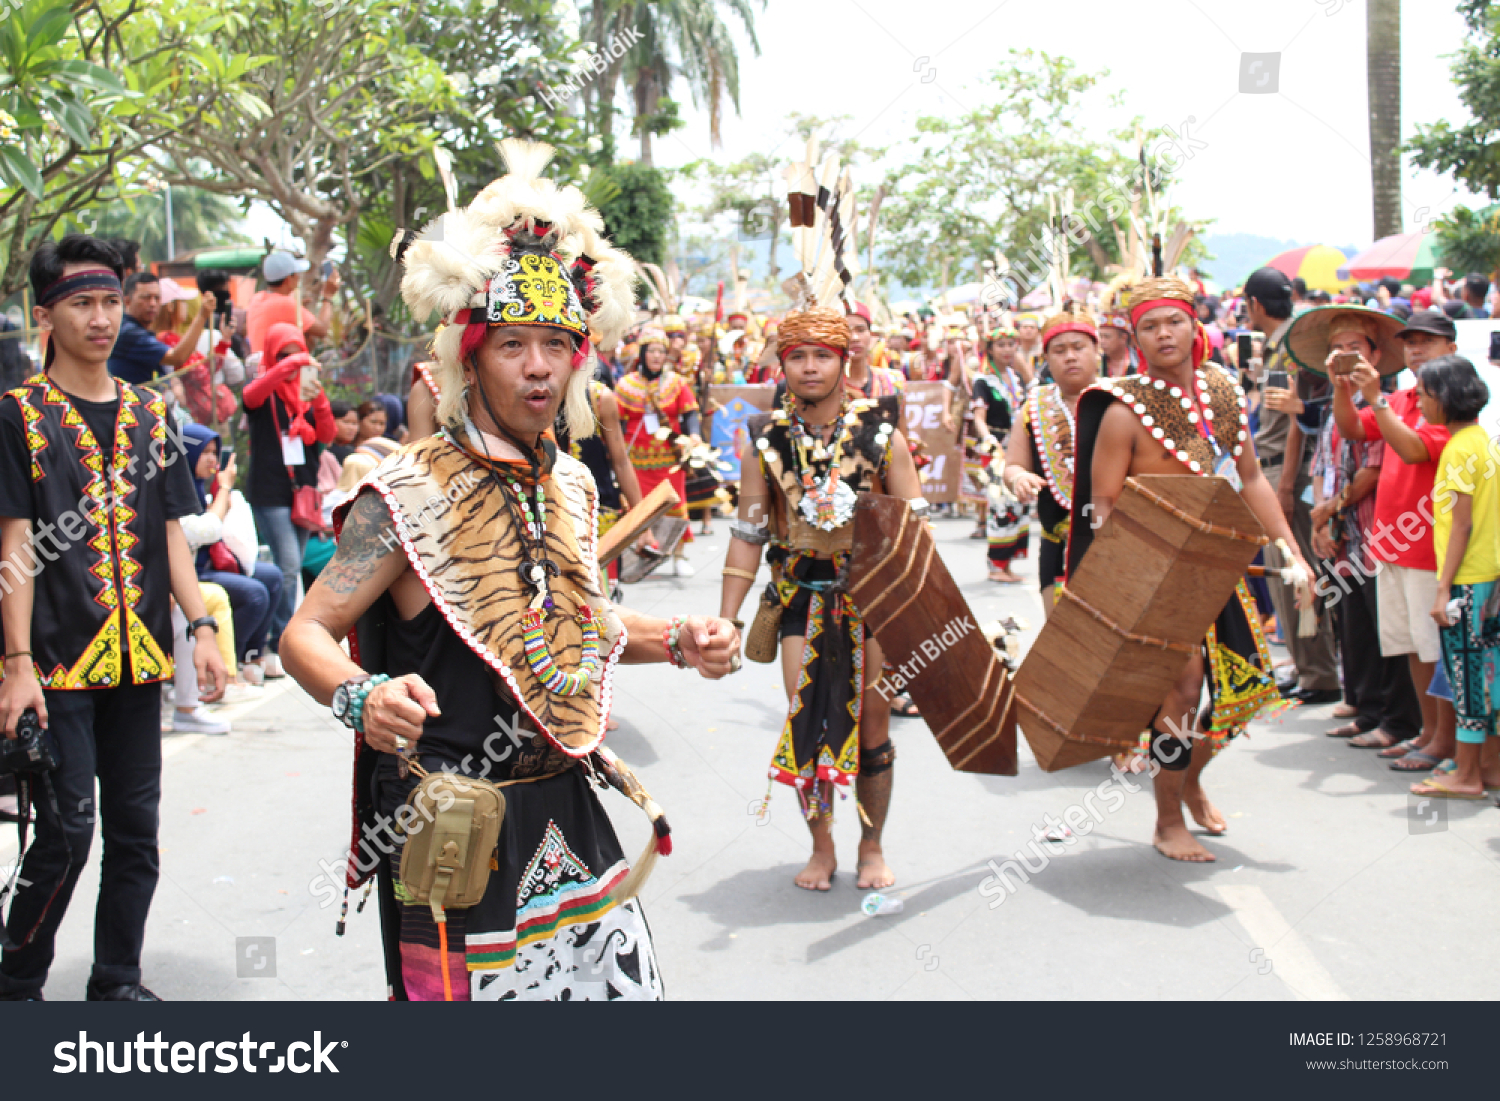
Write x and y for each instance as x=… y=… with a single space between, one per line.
x=360 y=694
x=671 y=639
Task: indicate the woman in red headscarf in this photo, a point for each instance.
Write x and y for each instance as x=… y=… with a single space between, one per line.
x=291 y=422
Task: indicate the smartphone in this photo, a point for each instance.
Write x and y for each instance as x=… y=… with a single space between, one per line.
x=309 y=376
x=327 y=268
x=1345 y=362
x=226 y=452
x=1245 y=350
x=1495 y=347
x=1278 y=379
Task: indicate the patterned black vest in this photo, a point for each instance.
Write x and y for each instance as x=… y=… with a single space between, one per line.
x=101 y=615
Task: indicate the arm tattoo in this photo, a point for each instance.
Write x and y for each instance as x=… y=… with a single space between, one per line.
x=368 y=536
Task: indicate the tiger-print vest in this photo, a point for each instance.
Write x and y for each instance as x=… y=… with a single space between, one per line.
x=460 y=540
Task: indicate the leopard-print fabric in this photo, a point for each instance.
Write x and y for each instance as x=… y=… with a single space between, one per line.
x=459 y=538
x=1172 y=418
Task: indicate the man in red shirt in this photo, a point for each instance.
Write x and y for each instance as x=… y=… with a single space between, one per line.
x=1401 y=537
x=279 y=303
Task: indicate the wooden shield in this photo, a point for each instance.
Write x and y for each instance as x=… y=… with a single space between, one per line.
x=930 y=638
x=1159 y=572
x=629 y=527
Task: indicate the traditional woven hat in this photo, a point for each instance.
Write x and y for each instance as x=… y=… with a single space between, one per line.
x=1308 y=340
x=820 y=325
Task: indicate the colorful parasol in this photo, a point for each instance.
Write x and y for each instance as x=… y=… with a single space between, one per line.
x=1317 y=265
x=1409 y=257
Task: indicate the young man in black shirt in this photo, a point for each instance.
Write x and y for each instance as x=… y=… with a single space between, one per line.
x=92 y=483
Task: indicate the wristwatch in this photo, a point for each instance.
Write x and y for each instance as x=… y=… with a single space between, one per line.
x=206 y=621
x=343 y=698
x=1382 y=402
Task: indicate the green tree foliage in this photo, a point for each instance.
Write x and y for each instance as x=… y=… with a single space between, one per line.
x=87 y=89
x=1470 y=240
x=670 y=38
x=200 y=219
x=638 y=217
x=978 y=183
x=1470 y=152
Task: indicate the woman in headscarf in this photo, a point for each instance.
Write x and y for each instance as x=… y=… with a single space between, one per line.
x=289 y=424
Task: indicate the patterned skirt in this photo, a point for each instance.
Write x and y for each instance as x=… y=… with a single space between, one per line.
x=551 y=925
x=1471 y=654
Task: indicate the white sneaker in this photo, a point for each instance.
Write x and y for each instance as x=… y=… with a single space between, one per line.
x=270 y=665
x=681 y=568
x=239 y=693
x=198 y=721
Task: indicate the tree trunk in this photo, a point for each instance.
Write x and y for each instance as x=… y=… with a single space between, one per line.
x=1383 y=78
x=647 y=97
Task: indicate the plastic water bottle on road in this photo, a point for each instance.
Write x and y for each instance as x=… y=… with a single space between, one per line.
x=878 y=905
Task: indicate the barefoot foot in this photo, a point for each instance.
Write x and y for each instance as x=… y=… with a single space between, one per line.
x=1176 y=843
x=874 y=873
x=1204 y=813
x=818 y=875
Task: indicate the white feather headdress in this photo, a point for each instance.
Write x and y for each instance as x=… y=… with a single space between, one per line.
x=453 y=264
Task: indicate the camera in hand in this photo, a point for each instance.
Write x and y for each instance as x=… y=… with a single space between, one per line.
x=31 y=750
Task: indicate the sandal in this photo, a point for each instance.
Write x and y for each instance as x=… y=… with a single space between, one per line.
x=1434 y=788
x=1415 y=761
x=1373 y=739
x=978 y=533
x=1348 y=730
x=1400 y=749
x=902 y=707
x=1344 y=711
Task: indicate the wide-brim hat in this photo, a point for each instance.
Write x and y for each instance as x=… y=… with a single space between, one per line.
x=1307 y=341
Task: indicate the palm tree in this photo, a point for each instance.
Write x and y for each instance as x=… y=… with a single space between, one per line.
x=687 y=38
x=1383 y=79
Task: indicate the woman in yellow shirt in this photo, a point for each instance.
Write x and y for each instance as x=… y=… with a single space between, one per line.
x=1466 y=540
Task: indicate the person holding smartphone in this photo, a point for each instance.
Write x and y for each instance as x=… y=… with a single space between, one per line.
x=291 y=421
x=1281 y=444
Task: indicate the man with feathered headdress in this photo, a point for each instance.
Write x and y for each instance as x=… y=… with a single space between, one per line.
x=467 y=571
x=1178 y=418
x=802 y=469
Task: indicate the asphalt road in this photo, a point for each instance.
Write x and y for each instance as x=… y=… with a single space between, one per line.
x=1330 y=884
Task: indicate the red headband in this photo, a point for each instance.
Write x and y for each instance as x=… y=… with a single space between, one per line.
x=1140 y=309
x=782 y=353
x=1069 y=327
x=1200 y=338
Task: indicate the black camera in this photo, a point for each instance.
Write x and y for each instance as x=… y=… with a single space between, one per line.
x=31 y=750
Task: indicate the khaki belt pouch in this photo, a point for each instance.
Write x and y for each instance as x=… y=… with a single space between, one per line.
x=452 y=839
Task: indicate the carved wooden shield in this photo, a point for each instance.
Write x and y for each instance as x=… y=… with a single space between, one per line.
x=931 y=640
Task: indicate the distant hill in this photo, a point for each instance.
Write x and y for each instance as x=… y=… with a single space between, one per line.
x=1236 y=255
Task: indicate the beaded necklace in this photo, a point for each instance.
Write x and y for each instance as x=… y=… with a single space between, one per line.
x=531 y=526
x=816 y=463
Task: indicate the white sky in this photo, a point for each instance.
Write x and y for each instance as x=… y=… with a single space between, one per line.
x=1293 y=164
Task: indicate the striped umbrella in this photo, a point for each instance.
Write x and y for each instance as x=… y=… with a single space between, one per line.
x=1409 y=257
x=1317 y=265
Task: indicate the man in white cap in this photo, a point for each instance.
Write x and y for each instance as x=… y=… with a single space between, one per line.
x=279 y=302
